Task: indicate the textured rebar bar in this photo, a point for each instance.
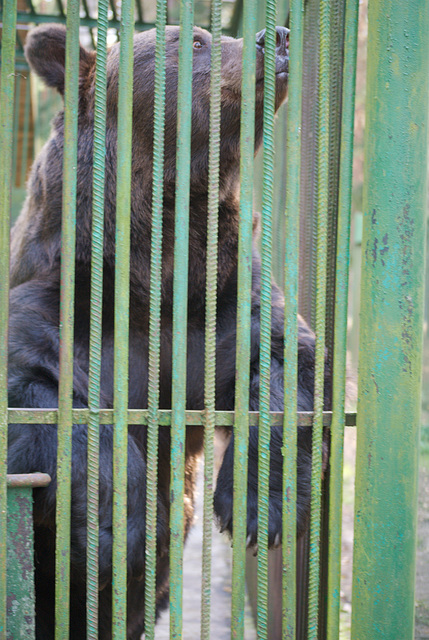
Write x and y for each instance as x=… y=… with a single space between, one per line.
x=65 y=391
x=180 y=314
x=122 y=288
x=321 y=252
x=264 y=430
x=210 y=337
x=155 y=321
x=340 y=329
x=96 y=309
x=241 y=426
x=6 y=145
x=293 y=186
x=141 y=417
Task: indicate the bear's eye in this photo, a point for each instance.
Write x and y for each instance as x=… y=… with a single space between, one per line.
x=198 y=44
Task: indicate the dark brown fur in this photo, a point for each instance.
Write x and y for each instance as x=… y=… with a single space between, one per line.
x=34 y=319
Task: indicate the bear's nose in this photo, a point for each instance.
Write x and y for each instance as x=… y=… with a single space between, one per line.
x=282 y=41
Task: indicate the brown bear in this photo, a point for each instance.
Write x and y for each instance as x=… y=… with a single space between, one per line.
x=34 y=314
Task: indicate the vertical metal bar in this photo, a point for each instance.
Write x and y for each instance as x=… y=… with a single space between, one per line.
x=321 y=251
x=122 y=288
x=210 y=337
x=180 y=313
x=6 y=145
x=65 y=397
x=340 y=327
x=390 y=362
x=16 y=129
x=264 y=430
x=293 y=186
x=241 y=424
x=96 y=309
x=155 y=321
x=25 y=134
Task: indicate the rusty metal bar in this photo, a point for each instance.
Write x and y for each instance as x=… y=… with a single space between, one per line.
x=180 y=314
x=241 y=425
x=6 y=139
x=65 y=391
x=391 y=320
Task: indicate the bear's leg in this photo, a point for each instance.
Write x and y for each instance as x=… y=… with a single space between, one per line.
x=223 y=501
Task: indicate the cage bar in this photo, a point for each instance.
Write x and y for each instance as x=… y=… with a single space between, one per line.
x=293 y=185
x=340 y=327
x=210 y=327
x=6 y=139
x=96 y=310
x=244 y=283
x=67 y=287
x=180 y=313
x=391 y=320
x=155 y=321
x=121 y=337
x=321 y=254
x=264 y=429
x=25 y=137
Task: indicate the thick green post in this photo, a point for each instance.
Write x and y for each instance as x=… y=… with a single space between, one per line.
x=391 y=320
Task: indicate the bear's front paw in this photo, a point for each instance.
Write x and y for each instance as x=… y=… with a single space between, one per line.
x=223 y=506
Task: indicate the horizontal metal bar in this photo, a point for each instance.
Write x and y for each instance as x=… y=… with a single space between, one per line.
x=39 y=18
x=28 y=479
x=141 y=417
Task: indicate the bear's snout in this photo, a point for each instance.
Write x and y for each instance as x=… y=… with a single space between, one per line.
x=282 y=48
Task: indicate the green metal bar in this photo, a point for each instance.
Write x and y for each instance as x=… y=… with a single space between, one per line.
x=293 y=186
x=25 y=133
x=65 y=392
x=241 y=426
x=20 y=563
x=321 y=250
x=25 y=17
x=113 y=8
x=180 y=312
x=210 y=337
x=340 y=327
x=20 y=554
x=96 y=310
x=60 y=8
x=122 y=272
x=391 y=320
x=91 y=31
x=264 y=431
x=194 y=418
x=155 y=322
x=139 y=11
x=6 y=145
x=16 y=128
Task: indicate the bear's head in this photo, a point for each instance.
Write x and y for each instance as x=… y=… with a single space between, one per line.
x=45 y=51
x=38 y=229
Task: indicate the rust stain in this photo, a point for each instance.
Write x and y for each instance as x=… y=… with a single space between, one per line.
x=374 y=251
x=405 y=228
x=385 y=248
x=375 y=383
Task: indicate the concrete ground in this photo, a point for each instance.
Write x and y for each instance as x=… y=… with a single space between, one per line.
x=220 y=627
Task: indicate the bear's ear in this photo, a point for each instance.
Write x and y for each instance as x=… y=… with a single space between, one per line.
x=45 y=49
